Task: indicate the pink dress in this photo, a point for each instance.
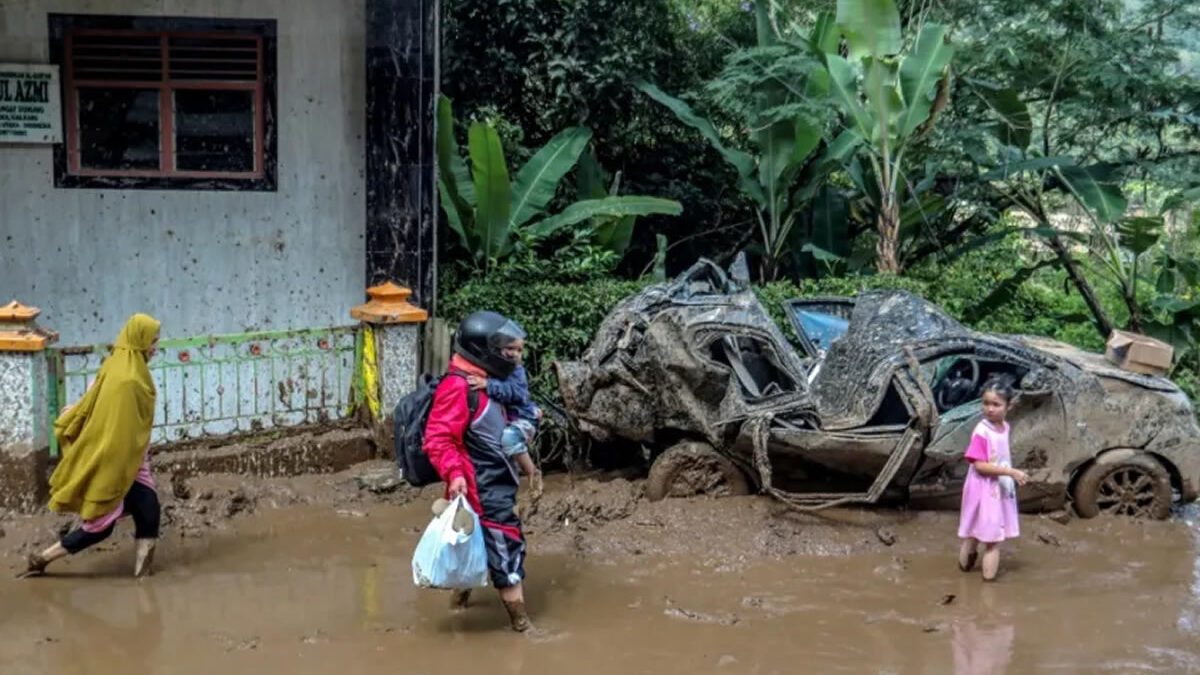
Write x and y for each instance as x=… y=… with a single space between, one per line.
x=144 y=476
x=989 y=505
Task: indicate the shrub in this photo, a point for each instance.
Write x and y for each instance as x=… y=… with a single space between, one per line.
x=560 y=318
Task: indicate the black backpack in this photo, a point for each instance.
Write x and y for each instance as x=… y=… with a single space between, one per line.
x=409 y=419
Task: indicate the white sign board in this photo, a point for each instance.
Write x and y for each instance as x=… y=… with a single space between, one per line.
x=30 y=101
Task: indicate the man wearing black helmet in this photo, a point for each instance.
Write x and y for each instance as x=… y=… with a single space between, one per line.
x=467 y=453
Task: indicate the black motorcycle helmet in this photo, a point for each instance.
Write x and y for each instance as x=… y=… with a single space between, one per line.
x=481 y=336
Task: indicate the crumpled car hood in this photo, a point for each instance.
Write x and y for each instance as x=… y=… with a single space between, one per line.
x=643 y=375
x=882 y=324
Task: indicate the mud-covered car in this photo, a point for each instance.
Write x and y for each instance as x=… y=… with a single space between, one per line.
x=868 y=398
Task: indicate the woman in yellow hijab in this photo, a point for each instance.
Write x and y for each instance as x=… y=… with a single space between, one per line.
x=104 y=472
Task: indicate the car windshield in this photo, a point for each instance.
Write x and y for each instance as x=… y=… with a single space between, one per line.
x=822 y=328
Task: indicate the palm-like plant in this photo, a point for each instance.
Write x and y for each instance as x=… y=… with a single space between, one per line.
x=489 y=211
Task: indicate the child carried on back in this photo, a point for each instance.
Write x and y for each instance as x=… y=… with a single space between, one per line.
x=522 y=413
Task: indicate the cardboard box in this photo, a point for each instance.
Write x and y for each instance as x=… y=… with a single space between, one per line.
x=1139 y=353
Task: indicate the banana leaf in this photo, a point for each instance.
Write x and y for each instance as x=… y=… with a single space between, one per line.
x=614 y=233
x=606 y=206
x=1014 y=125
x=537 y=181
x=454 y=179
x=843 y=86
x=743 y=162
x=1098 y=187
x=871 y=27
x=491 y=189
x=1138 y=235
x=826 y=36
x=919 y=75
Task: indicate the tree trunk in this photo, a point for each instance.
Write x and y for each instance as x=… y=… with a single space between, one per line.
x=1103 y=323
x=1135 y=311
x=887 y=251
x=768 y=269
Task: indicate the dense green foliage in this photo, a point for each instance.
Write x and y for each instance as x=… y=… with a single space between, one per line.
x=535 y=67
x=561 y=318
x=562 y=312
x=494 y=215
x=1056 y=194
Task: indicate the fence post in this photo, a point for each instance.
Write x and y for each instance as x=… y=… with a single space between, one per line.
x=24 y=408
x=391 y=346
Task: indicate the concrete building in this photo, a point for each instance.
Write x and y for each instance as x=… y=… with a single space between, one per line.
x=240 y=169
x=215 y=161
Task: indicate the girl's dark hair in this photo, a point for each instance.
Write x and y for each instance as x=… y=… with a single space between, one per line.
x=1001 y=384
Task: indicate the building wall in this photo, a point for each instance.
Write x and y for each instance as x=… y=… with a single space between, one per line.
x=203 y=262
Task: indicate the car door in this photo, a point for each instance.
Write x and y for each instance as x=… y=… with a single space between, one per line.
x=1038 y=419
x=855 y=464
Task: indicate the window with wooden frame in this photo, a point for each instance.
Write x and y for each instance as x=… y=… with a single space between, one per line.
x=167 y=103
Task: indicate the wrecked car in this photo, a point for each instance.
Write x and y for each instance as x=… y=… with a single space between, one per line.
x=870 y=399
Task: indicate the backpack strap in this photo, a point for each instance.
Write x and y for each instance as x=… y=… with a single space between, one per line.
x=472 y=397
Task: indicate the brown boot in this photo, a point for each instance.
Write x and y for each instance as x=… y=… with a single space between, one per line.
x=518 y=616
x=460 y=599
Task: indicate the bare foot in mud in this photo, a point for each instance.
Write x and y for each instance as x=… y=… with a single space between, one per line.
x=460 y=600
x=968 y=553
x=518 y=616
x=991 y=562
x=37 y=562
x=35 y=567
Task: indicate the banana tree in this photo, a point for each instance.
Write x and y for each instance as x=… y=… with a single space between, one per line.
x=489 y=212
x=1176 y=310
x=1155 y=284
x=888 y=100
x=613 y=233
x=1133 y=254
x=785 y=121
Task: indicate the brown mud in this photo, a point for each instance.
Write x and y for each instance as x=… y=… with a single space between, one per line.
x=311 y=574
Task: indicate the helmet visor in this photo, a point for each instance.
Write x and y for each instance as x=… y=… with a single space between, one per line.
x=507 y=333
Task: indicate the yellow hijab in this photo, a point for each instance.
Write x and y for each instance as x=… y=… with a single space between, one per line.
x=104 y=436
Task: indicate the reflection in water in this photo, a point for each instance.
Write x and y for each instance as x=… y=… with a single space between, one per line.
x=983 y=644
x=370 y=596
x=108 y=638
x=315 y=592
x=1189 y=613
x=981 y=649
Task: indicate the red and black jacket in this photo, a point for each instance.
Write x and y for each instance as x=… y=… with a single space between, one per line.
x=459 y=445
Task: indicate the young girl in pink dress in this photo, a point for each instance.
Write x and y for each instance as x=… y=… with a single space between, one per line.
x=989 y=500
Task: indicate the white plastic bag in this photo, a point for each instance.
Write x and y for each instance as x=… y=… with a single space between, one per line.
x=447 y=558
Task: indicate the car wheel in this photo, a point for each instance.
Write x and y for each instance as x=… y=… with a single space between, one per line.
x=1124 y=484
x=693 y=468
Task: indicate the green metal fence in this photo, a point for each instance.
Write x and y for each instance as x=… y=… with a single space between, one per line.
x=229 y=384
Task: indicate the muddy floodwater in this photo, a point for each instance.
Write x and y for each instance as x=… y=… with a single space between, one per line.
x=312 y=575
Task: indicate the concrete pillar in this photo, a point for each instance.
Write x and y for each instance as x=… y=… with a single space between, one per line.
x=25 y=426
x=401 y=184
x=391 y=346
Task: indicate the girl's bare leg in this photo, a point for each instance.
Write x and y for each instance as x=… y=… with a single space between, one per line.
x=967 y=553
x=991 y=561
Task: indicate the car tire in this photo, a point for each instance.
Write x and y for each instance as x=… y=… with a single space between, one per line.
x=693 y=468
x=1124 y=483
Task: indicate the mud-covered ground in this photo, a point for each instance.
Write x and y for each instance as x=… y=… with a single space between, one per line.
x=312 y=575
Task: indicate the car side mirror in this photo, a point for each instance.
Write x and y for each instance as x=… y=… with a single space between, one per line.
x=1035 y=382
